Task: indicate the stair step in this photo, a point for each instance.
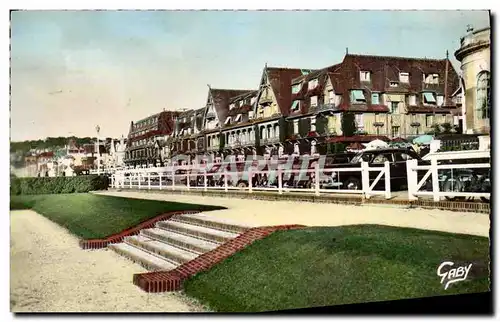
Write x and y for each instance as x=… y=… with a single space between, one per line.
x=197 y=231
x=180 y=240
x=211 y=222
x=145 y=259
x=168 y=251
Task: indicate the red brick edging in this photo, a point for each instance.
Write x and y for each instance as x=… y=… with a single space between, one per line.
x=117 y=238
x=168 y=281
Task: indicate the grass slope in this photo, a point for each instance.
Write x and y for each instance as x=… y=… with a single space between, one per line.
x=91 y=216
x=339 y=265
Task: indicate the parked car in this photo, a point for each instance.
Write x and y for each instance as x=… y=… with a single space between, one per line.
x=397 y=158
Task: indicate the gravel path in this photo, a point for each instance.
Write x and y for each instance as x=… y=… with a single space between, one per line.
x=263 y=212
x=50 y=273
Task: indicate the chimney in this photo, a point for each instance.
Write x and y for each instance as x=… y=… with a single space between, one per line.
x=347 y=51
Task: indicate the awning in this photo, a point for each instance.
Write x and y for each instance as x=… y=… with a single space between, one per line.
x=429 y=98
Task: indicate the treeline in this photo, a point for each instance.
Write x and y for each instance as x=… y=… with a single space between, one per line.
x=49 y=143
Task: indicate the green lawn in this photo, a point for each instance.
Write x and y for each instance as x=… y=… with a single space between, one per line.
x=339 y=265
x=91 y=216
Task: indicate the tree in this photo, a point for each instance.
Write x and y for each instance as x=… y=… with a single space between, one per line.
x=348 y=124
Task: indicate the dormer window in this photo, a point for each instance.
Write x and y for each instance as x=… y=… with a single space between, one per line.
x=295 y=105
x=252 y=100
x=231 y=106
x=393 y=84
x=364 y=76
x=429 y=98
x=314 y=101
x=313 y=83
x=412 y=100
x=228 y=120
x=238 y=118
x=250 y=114
x=241 y=103
x=404 y=77
x=296 y=88
x=431 y=78
x=440 y=100
x=357 y=97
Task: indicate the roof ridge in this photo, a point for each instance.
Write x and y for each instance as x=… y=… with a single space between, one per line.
x=396 y=57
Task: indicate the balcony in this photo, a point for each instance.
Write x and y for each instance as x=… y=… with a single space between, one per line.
x=330 y=107
x=269 y=140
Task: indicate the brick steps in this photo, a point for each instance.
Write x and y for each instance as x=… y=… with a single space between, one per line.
x=180 y=240
x=144 y=258
x=210 y=222
x=209 y=234
x=173 y=243
x=173 y=253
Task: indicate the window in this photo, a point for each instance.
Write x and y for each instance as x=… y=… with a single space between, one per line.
x=429 y=98
x=431 y=78
x=359 y=121
x=357 y=96
x=296 y=88
x=331 y=97
x=250 y=114
x=295 y=105
x=375 y=98
x=402 y=157
x=393 y=84
x=231 y=106
x=412 y=100
x=428 y=120
x=440 y=100
x=395 y=131
x=381 y=158
x=313 y=83
x=394 y=107
x=314 y=101
x=364 y=76
x=295 y=126
x=404 y=77
x=483 y=96
x=338 y=100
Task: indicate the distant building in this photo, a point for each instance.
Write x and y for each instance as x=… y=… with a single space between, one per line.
x=474 y=55
x=144 y=137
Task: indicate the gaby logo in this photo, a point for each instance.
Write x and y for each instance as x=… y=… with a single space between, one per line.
x=452 y=275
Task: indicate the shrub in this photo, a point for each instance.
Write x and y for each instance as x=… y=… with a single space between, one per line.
x=51 y=185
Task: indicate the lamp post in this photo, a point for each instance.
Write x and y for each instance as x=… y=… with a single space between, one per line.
x=98 y=129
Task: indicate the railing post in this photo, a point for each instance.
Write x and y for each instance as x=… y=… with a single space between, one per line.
x=365 y=179
x=280 y=182
x=225 y=180
x=205 y=181
x=387 y=177
x=188 y=184
x=159 y=177
x=435 y=179
x=130 y=177
x=139 y=180
x=250 y=179
x=173 y=179
x=149 y=180
x=316 y=179
x=412 y=177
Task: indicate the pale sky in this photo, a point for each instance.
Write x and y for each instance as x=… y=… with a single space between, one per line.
x=73 y=70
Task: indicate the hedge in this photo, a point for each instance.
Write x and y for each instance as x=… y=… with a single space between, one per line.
x=50 y=185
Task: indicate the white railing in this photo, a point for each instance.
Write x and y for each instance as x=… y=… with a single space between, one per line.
x=446 y=180
x=315 y=181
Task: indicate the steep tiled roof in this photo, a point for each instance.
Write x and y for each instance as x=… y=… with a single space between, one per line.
x=281 y=81
x=221 y=99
